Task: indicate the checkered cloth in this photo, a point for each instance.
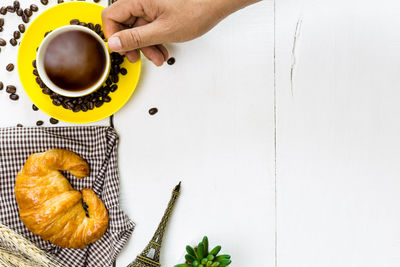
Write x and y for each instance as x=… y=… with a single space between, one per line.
x=98 y=146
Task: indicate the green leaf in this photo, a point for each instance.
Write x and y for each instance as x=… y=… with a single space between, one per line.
x=190 y=258
x=200 y=251
x=220 y=257
x=215 y=250
x=191 y=251
x=215 y=264
x=205 y=243
x=204 y=261
x=195 y=263
x=182 y=265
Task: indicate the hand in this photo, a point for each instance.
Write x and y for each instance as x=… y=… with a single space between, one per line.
x=130 y=25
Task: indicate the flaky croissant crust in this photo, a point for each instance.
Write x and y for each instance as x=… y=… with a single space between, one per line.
x=51 y=208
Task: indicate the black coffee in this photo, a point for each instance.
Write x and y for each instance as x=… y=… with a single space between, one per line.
x=74 y=60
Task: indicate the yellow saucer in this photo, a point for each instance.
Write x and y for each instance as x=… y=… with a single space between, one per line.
x=51 y=19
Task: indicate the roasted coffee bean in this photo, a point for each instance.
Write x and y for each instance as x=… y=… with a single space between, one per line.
x=10 y=67
x=14 y=97
x=10 y=9
x=39 y=81
x=82 y=24
x=90 y=105
x=60 y=1
x=16 y=4
x=57 y=102
x=47 y=33
x=13 y=42
x=34 y=63
x=171 y=61
x=34 y=107
x=44 y=2
x=3 y=10
x=84 y=107
x=28 y=12
x=90 y=26
x=35 y=72
x=20 y=12
x=76 y=108
x=1 y=21
x=107 y=99
x=74 y=22
x=153 y=111
x=115 y=78
x=17 y=35
x=11 y=89
x=25 y=18
x=34 y=7
x=53 y=121
x=123 y=71
x=97 y=28
x=108 y=81
x=70 y=105
x=114 y=88
x=98 y=103
x=1 y=86
x=96 y=1
x=2 y=42
x=21 y=28
x=19 y=125
x=39 y=123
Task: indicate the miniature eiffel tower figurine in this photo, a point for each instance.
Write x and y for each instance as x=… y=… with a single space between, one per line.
x=150 y=257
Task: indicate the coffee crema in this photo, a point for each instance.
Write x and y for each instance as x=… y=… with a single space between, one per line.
x=74 y=60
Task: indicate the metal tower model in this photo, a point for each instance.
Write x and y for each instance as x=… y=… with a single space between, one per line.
x=150 y=257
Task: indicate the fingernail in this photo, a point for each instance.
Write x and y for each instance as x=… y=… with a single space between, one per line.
x=114 y=43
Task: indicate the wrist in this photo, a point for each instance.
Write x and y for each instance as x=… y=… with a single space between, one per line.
x=226 y=7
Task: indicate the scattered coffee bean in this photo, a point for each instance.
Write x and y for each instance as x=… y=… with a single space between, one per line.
x=53 y=121
x=107 y=99
x=44 y=2
x=14 y=97
x=115 y=78
x=19 y=125
x=98 y=104
x=25 y=18
x=10 y=9
x=46 y=91
x=39 y=123
x=34 y=63
x=153 y=111
x=34 y=107
x=10 y=67
x=171 y=61
x=3 y=10
x=2 y=42
x=96 y=1
x=16 y=4
x=97 y=28
x=123 y=71
x=60 y=1
x=90 y=26
x=20 y=12
x=17 y=35
x=34 y=7
x=1 y=21
x=28 y=12
x=1 y=86
x=11 y=89
x=35 y=72
x=21 y=28
x=13 y=42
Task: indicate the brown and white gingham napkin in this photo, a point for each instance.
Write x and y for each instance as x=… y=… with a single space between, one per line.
x=98 y=146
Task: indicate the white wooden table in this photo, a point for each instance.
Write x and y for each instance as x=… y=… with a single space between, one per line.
x=281 y=123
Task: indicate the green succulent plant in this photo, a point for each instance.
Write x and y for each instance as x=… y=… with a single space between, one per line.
x=201 y=257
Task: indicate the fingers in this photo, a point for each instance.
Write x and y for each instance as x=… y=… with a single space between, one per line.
x=137 y=37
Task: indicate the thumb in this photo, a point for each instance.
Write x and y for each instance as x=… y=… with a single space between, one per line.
x=138 y=37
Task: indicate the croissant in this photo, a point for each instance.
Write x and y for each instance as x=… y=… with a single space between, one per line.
x=51 y=208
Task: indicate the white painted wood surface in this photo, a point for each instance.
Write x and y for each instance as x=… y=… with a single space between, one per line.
x=337 y=134
x=336 y=99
